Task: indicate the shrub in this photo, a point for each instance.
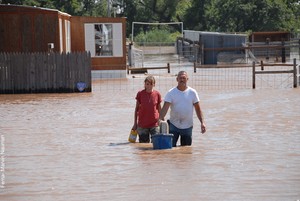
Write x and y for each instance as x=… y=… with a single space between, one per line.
x=156 y=37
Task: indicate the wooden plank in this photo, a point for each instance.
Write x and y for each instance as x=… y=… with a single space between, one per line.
x=78 y=70
x=64 y=77
x=53 y=73
x=147 y=68
x=244 y=48
x=277 y=64
x=253 y=75
x=139 y=71
x=70 y=72
x=74 y=69
x=26 y=72
x=2 y=73
x=295 y=73
x=23 y=74
x=55 y=66
x=59 y=71
x=32 y=74
x=79 y=76
x=45 y=71
x=88 y=71
x=136 y=70
x=16 y=69
x=12 y=71
x=50 y=72
x=37 y=77
x=9 y=73
x=40 y=68
x=274 y=72
x=223 y=66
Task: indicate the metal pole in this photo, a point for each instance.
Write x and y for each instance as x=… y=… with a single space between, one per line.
x=108 y=8
x=268 y=43
x=283 y=59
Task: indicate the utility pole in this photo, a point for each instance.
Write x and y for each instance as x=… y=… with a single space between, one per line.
x=108 y=8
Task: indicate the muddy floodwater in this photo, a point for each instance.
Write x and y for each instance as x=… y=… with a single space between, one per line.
x=58 y=147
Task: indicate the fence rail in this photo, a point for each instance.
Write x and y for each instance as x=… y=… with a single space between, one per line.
x=145 y=69
x=45 y=72
x=262 y=75
x=292 y=71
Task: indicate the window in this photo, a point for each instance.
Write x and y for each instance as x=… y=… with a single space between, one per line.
x=68 y=35
x=104 y=40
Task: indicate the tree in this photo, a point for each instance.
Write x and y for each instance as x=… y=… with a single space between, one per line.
x=149 y=11
x=205 y=15
x=194 y=17
x=244 y=15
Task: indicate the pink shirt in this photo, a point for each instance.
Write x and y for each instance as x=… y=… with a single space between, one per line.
x=148 y=113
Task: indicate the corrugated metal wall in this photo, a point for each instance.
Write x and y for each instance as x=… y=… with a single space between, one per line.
x=215 y=40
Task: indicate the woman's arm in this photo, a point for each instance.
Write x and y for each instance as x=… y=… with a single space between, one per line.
x=136 y=110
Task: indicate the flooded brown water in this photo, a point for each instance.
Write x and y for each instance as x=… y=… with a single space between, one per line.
x=74 y=147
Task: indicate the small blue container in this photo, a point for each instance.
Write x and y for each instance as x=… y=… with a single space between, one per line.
x=81 y=86
x=162 y=141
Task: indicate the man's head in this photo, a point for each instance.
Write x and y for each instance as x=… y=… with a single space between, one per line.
x=182 y=78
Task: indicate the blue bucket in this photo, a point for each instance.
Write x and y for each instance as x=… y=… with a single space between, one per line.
x=162 y=141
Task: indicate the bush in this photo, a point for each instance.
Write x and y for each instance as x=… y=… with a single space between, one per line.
x=156 y=37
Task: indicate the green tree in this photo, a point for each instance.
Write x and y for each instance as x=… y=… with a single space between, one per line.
x=158 y=10
x=151 y=11
x=244 y=15
x=194 y=17
x=205 y=15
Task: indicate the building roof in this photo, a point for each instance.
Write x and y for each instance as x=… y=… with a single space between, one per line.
x=8 y=8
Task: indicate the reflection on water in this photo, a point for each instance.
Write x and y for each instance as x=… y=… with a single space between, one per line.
x=74 y=147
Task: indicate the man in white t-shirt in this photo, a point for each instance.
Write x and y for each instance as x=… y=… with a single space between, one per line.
x=182 y=100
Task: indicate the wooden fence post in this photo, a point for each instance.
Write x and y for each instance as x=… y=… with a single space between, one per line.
x=262 y=65
x=253 y=75
x=295 y=74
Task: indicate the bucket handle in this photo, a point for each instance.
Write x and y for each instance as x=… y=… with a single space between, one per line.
x=164 y=127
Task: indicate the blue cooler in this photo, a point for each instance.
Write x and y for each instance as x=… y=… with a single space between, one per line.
x=162 y=141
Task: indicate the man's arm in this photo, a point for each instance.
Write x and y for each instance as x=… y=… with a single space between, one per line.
x=164 y=110
x=200 y=116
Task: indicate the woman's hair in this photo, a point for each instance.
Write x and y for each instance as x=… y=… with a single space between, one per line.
x=150 y=79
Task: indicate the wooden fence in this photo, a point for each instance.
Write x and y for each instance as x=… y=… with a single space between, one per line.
x=262 y=71
x=45 y=72
x=245 y=75
x=142 y=70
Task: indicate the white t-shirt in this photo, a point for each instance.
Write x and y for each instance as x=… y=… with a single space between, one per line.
x=182 y=106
